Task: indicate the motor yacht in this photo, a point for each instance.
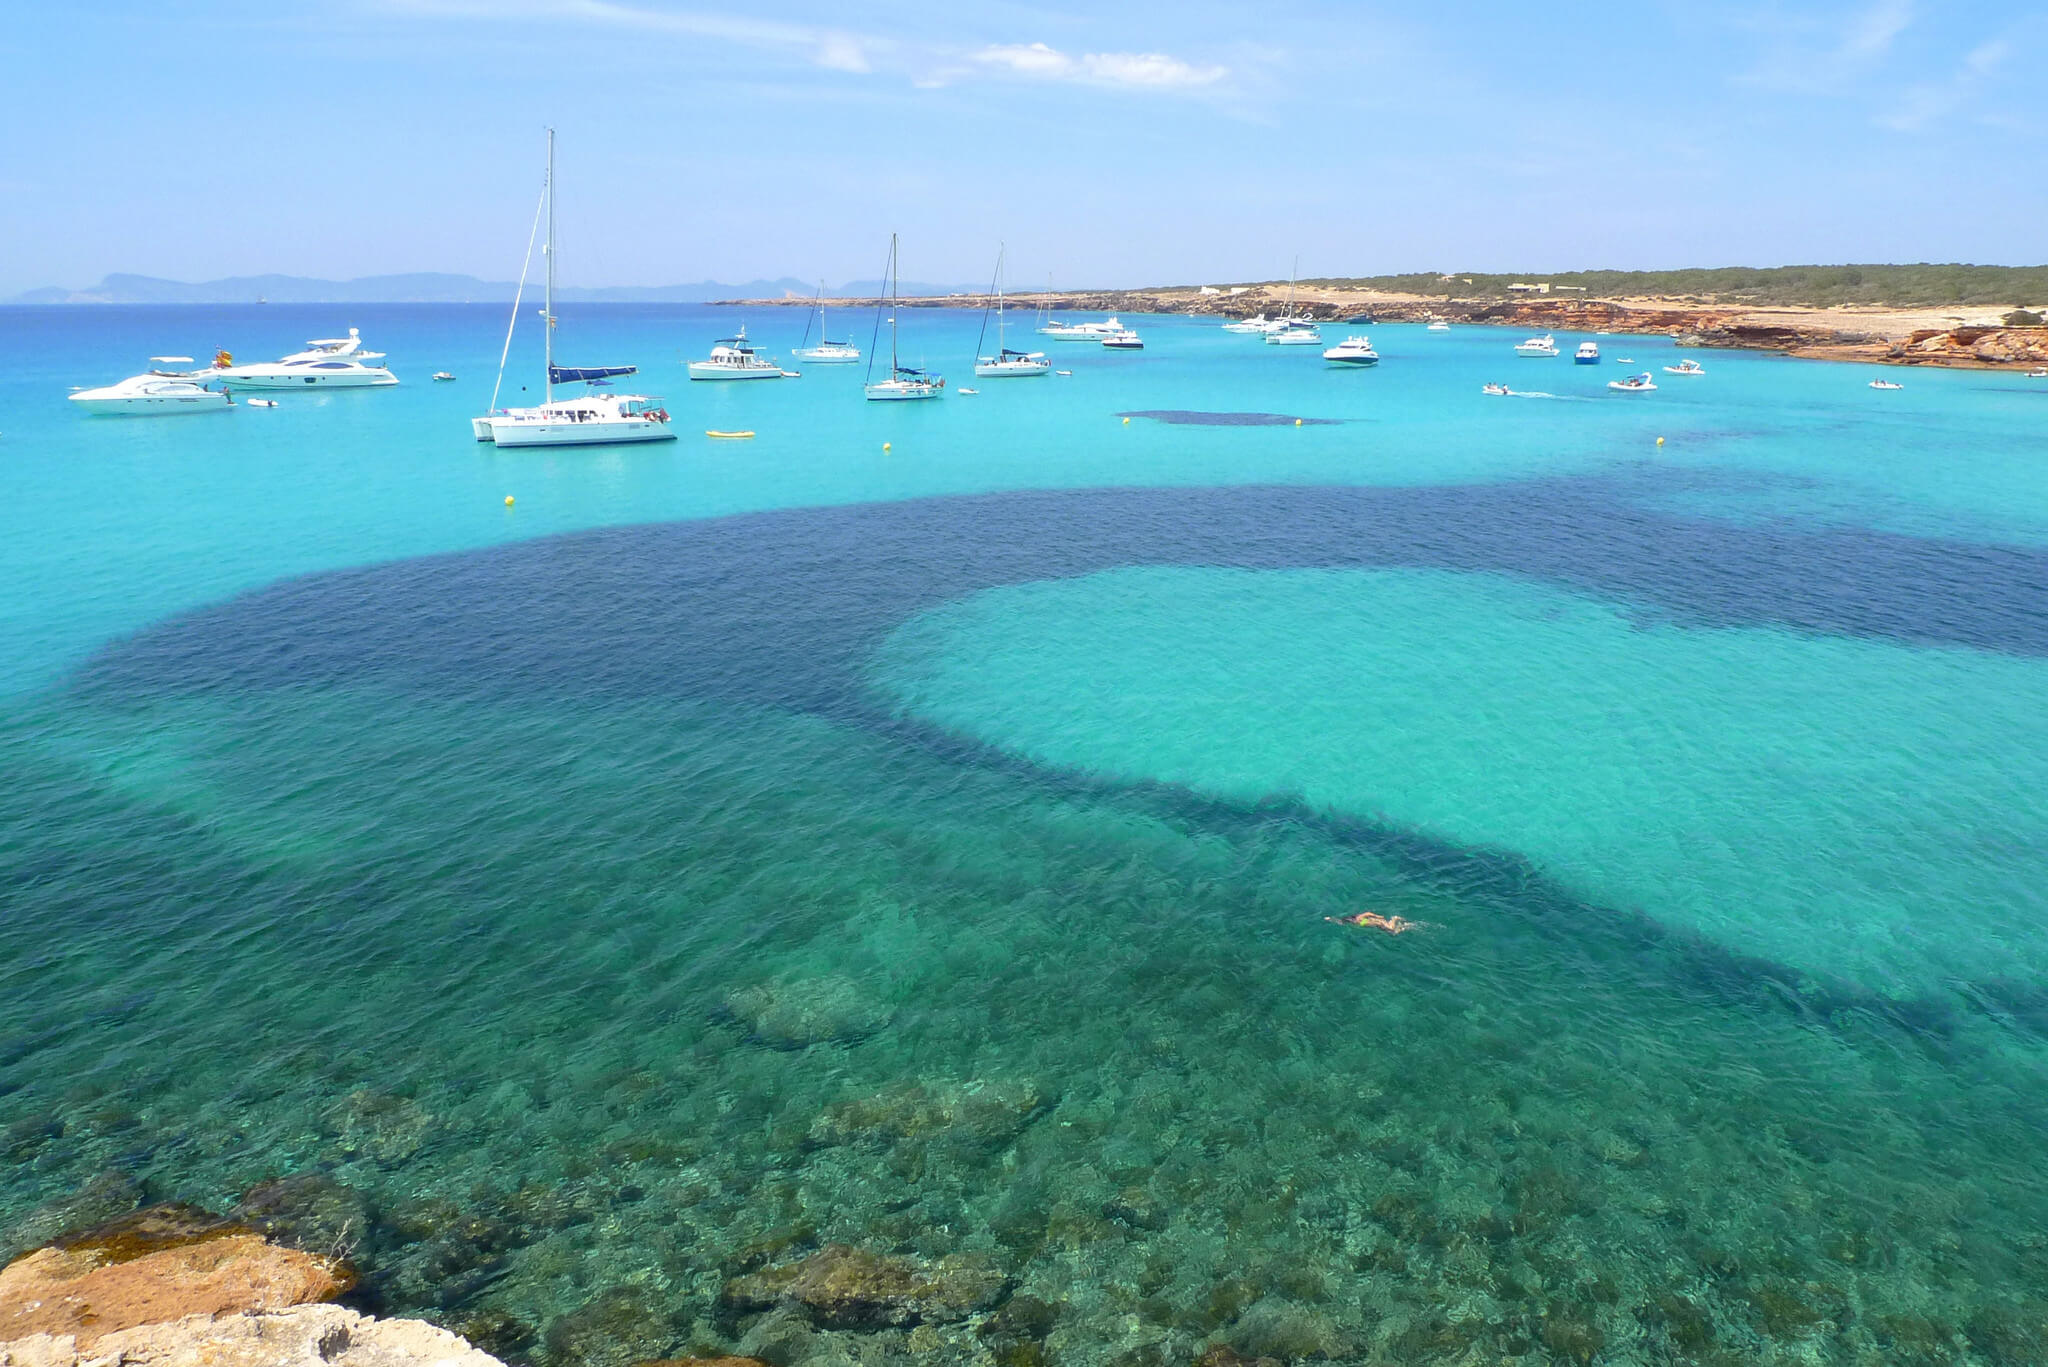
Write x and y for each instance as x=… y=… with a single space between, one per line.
x=1296 y=332
x=1258 y=326
x=1587 y=354
x=903 y=382
x=1353 y=351
x=1127 y=340
x=595 y=418
x=155 y=392
x=2038 y=373
x=326 y=363
x=1438 y=325
x=1007 y=362
x=1688 y=366
x=1634 y=384
x=734 y=358
x=1546 y=345
x=827 y=351
x=1081 y=332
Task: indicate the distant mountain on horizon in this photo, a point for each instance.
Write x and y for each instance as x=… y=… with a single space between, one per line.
x=429 y=287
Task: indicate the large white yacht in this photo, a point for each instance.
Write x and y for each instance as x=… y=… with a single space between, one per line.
x=1007 y=362
x=326 y=363
x=594 y=419
x=734 y=358
x=156 y=392
x=1081 y=332
x=1546 y=345
x=1353 y=351
x=904 y=382
x=1257 y=326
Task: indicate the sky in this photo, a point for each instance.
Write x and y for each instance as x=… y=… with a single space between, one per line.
x=1106 y=144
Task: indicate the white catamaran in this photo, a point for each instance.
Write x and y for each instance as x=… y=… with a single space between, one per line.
x=596 y=418
x=904 y=382
x=1006 y=363
x=827 y=351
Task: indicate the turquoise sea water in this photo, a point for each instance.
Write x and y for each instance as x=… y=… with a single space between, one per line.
x=735 y=848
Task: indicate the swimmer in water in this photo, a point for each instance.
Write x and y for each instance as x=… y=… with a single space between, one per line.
x=1372 y=920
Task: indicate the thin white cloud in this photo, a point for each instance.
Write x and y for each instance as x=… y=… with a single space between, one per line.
x=1818 y=55
x=1931 y=101
x=1127 y=70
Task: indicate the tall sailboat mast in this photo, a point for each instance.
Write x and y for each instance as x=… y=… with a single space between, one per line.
x=895 y=307
x=548 y=306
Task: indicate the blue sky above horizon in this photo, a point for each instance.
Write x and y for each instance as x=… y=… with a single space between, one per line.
x=1134 y=144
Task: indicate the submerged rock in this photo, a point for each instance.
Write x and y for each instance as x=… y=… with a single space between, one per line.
x=840 y=1287
x=308 y=1335
x=982 y=1112
x=309 y=1211
x=137 y=1276
x=375 y=1125
x=805 y=1011
x=622 y=1326
x=105 y=1197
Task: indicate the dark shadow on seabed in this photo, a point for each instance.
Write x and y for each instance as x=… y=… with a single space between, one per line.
x=784 y=608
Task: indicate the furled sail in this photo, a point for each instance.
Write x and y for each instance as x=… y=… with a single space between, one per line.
x=562 y=374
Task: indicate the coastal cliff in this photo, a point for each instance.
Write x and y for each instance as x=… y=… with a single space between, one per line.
x=1858 y=333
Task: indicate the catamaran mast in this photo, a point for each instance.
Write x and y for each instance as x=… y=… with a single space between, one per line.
x=548 y=308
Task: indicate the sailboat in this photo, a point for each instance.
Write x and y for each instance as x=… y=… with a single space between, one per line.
x=595 y=418
x=904 y=382
x=1294 y=329
x=827 y=351
x=1006 y=363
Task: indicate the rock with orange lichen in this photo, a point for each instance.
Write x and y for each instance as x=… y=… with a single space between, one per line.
x=304 y=1336
x=157 y=1265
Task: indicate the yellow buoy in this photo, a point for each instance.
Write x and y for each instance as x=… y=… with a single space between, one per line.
x=508 y=500
x=734 y=436
x=1660 y=441
x=1297 y=422
x=885 y=446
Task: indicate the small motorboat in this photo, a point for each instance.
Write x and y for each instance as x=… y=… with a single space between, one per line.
x=1624 y=360
x=261 y=403
x=442 y=375
x=1634 y=384
x=1497 y=390
x=1546 y=345
x=1438 y=325
x=2038 y=373
x=1587 y=354
x=966 y=391
x=1063 y=372
x=1127 y=340
x=1885 y=384
x=1353 y=352
x=1688 y=366
x=734 y=358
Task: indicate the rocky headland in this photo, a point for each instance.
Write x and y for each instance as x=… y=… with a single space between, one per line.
x=1974 y=338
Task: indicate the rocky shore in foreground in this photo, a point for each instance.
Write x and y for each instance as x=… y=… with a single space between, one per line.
x=1891 y=336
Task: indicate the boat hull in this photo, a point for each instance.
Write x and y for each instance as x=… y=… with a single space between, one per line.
x=514 y=433
x=264 y=377
x=1011 y=370
x=886 y=392
x=146 y=406
x=1351 y=362
x=700 y=370
x=818 y=356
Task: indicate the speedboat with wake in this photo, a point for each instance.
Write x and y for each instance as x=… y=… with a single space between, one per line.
x=734 y=358
x=1634 y=384
x=326 y=363
x=595 y=418
x=153 y=393
x=1353 y=352
x=1546 y=345
x=1688 y=366
x=1497 y=390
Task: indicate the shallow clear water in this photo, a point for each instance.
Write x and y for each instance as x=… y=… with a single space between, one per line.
x=733 y=848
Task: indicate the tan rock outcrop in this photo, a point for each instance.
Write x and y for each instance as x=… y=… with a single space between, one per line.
x=90 y=1290
x=305 y=1336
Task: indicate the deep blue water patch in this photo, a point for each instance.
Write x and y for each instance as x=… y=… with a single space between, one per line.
x=1185 y=417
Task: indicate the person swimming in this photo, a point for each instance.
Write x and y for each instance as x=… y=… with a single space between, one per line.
x=1372 y=920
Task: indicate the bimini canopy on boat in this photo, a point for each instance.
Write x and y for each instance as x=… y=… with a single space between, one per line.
x=562 y=374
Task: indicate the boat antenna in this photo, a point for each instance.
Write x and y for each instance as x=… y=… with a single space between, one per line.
x=993 y=299
x=882 y=302
x=548 y=308
x=519 y=293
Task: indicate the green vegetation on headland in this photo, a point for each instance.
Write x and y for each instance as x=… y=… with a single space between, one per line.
x=1817 y=286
